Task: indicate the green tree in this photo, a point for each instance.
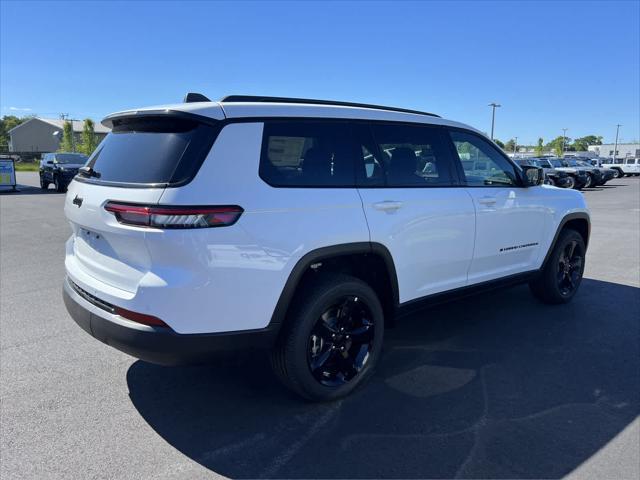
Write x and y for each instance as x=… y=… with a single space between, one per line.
x=557 y=145
x=510 y=146
x=540 y=147
x=499 y=143
x=581 y=144
x=89 y=141
x=67 y=144
x=7 y=123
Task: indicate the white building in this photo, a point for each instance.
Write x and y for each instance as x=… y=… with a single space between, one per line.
x=624 y=150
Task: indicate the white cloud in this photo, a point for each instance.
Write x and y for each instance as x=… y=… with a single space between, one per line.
x=17 y=109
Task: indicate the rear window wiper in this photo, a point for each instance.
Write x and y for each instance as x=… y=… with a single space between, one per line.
x=89 y=172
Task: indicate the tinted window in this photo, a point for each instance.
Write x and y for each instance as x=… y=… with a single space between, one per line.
x=152 y=150
x=396 y=155
x=307 y=154
x=67 y=158
x=483 y=165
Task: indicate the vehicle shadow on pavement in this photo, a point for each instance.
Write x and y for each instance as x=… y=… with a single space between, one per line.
x=493 y=386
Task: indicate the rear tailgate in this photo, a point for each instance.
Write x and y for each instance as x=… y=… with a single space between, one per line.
x=101 y=247
x=134 y=164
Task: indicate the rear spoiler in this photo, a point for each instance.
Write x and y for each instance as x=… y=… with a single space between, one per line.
x=108 y=121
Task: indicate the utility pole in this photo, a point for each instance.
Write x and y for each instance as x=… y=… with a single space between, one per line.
x=564 y=139
x=493 y=105
x=515 y=147
x=615 y=148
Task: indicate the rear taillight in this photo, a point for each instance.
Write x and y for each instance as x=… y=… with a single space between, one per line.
x=174 y=217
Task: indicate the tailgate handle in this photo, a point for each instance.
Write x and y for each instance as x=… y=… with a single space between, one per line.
x=487 y=200
x=387 y=205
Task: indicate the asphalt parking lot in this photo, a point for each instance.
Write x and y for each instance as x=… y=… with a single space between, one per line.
x=494 y=386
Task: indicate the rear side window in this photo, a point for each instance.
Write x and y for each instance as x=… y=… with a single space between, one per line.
x=400 y=155
x=307 y=154
x=152 y=150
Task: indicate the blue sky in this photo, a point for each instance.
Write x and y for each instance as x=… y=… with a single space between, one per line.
x=550 y=64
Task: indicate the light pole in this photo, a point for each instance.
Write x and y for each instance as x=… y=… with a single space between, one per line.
x=564 y=138
x=493 y=105
x=515 y=147
x=615 y=147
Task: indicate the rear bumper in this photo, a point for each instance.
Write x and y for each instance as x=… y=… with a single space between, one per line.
x=154 y=344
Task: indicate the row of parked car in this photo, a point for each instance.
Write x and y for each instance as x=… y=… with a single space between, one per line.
x=578 y=173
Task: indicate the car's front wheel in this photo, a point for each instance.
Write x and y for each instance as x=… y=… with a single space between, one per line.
x=332 y=338
x=571 y=182
x=59 y=184
x=43 y=183
x=589 y=182
x=562 y=273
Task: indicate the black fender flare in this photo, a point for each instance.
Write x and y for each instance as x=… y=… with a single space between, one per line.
x=324 y=253
x=567 y=218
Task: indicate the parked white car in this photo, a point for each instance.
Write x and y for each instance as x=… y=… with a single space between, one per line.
x=622 y=166
x=301 y=226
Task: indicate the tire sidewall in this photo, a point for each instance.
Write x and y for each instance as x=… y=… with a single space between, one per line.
x=307 y=316
x=550 y=273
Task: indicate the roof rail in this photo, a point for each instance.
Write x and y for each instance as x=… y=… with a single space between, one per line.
x=311 y=101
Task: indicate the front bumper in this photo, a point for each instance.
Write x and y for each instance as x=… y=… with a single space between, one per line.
x=156 y=344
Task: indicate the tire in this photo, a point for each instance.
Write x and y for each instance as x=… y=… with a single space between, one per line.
x=60 y=186
x=307 y=357
x=572 y=182
x=559 y=280
x=550 y=181
x=44 y=185
x=589 y=182
x=617 y=173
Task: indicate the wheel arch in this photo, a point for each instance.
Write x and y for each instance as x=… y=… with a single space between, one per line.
x=372 y=262
x=578 y=221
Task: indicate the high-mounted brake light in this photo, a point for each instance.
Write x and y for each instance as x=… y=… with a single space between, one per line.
x=174 y=217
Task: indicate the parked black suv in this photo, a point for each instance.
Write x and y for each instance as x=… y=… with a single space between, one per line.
x=59 y=169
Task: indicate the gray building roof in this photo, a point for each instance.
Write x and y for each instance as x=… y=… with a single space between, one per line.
x=58 y=123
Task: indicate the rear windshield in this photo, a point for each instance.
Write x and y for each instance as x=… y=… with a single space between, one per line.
x=67 y=158
x=151 y=151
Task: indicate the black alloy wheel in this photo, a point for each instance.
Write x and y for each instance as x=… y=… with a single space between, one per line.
x=340 y=342
x=561 y=274
x=332 y=337
x=570 y=263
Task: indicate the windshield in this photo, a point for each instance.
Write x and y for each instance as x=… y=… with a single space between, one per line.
x=151 y=150
x=582 y=163
x=76 y=158
x=556 y=163
x=571 y=163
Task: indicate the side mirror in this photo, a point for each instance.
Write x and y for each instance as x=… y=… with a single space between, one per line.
x=532 y=175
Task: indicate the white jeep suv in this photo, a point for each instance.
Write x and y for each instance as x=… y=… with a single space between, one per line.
x=301 y=226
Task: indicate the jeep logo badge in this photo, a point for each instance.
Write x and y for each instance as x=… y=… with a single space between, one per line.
x=77 y=201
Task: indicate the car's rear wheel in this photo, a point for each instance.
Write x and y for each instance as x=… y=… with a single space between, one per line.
x=561 y=276
x=549 y=181
x=332 y=338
